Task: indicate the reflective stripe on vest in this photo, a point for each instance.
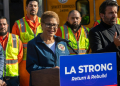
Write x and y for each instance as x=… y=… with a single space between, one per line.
x=99 y=21
x=11 y=59
x=14 y=41
x=66 y=32
x=22 y=25
x=79 y=46
x=24 y=45
x=26 y=33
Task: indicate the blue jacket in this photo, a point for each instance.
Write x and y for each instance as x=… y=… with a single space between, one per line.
x=1 y=61
x=40 y=56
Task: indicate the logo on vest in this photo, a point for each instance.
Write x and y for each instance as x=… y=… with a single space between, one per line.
x=61 y=47
x=62 y=1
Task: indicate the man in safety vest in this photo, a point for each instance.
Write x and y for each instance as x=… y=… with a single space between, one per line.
x=75 y=32
x=98 y=22
x=27 y=28
x=13 y=54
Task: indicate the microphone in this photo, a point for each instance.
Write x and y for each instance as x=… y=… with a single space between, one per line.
x=59 y=39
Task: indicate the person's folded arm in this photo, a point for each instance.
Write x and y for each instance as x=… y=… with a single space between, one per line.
x=32 y=62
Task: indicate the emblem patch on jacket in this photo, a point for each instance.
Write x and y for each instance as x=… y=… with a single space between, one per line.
x=61 y=47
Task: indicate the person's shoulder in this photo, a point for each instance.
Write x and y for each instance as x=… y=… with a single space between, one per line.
x=62 y=42
x=118 y=25
x=39 y=17
x=96 y=28
x=62 y=26
x=86 y=28
x=20 y=19
x=33 y=41
x=14 y=35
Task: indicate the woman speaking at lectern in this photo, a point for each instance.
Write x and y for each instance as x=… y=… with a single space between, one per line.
x=43 y=51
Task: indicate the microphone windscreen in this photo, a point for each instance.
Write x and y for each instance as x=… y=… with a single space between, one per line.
x=58 y=39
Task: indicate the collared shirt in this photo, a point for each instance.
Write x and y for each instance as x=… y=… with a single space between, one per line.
x=4 y=41
x=33 y=26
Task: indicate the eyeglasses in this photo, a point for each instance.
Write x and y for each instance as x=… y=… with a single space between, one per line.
x=48 y=25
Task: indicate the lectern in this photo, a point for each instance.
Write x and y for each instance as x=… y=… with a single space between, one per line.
x=45 y=77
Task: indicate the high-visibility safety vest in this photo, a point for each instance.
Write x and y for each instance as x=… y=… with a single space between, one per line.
x=79 y=46
x=11 y=60
x=26 y=33
x=118 y=21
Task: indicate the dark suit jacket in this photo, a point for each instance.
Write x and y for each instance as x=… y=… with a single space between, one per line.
x=101 y=41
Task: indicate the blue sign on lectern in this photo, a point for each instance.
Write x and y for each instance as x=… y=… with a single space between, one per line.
x=88 y=70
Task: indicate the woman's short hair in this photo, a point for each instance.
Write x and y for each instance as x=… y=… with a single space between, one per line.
x=49 y=14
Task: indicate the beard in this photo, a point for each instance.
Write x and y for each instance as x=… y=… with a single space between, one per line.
x=73 y=26
x=3 y=33
x=110 y=21
x=32 y=13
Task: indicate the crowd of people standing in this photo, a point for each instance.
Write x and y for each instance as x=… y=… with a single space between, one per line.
x=37 y=43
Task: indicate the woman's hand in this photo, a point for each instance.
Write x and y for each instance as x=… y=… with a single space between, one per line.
x=2 y=83
x=57 y=67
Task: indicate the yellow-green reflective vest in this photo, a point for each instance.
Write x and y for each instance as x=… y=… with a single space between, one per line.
x=80 y=46
x=118 y=21
x=11 y=60
x=26 y=33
